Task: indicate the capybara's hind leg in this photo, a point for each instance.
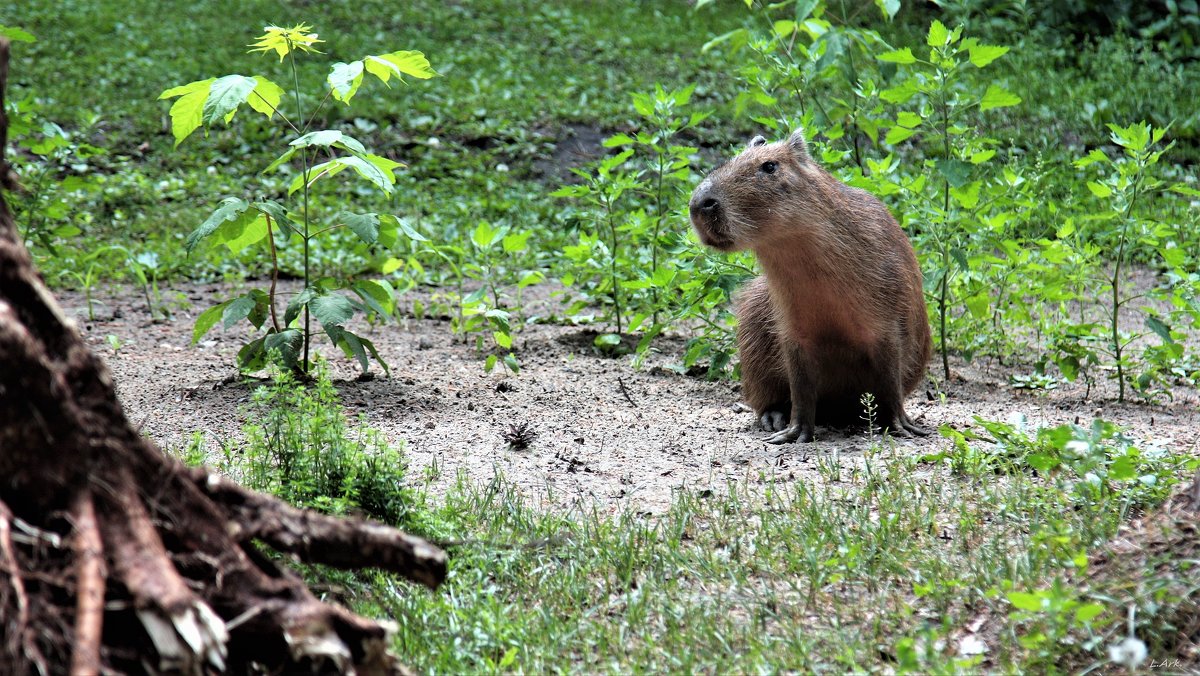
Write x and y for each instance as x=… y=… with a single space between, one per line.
x=764 y=377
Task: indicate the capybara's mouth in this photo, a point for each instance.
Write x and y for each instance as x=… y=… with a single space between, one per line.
x=711 y=239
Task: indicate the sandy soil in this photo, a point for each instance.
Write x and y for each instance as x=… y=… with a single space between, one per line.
x=607 y=436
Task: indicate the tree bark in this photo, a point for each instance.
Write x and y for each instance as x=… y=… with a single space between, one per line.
x=116 y=557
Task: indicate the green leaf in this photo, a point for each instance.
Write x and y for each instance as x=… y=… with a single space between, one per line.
x=887 y=7
x=288 y=343
x=982 y=55
x=297 y=304
x=938 y=35
x=224 y=97
x=364 y=168
x=531 y=278
x=1093 y=157
x=186 y=112
x=253 y=355
x=231 y=209
x=1099 y=189
x=1123 y=468
x=404 y=227
x=240 y=233
x=16 y=34
x=266 y=96
x=207 y=320
x=1042 y=462
x=960 y=257
x=910 y=120
x=413 y=63
x=510 y=360
x=979 y=305
x=366 y=226
x=998 y=97
x=377 y=295
x=618 y=140
x=956 y=172
x=329 y=137
x=900 y=56
x=982 y=156
x=607 y=341
x=238 y=309
x=784 y=28
x=344 y=80
x=1088 y=612
x=1157 y=326
x=331 y=309
x=355 y=346
x=502 y=339
x=901 y=93
x=897 y=134
x=1025 y=601
x=736 y=38
x=516 y=242
x=968 y=195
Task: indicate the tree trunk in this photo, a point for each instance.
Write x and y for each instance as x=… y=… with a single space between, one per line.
x=116 y=557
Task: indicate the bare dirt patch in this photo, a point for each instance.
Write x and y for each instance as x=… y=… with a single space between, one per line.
x=608 y=436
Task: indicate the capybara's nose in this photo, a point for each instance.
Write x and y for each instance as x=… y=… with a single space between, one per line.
x=703 y=203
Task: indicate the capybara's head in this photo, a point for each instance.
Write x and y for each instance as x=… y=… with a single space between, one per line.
x=747 y=200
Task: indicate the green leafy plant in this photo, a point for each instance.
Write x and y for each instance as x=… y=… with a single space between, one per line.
x=491 y=260
x=1124 y=188
x=600 y=266
x=947 y=205
x=56 y=170
x=240 y=223
x=300 y=447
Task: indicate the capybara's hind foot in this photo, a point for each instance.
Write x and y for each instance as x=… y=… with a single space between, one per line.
x=904 y=427
x=773 y=421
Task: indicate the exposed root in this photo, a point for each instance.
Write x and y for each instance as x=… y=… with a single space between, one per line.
x=17 y=631
x=89 y=586
x=323 y=539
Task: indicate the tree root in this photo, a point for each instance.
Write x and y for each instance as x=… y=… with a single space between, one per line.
x=115 y=557
x=89 y=592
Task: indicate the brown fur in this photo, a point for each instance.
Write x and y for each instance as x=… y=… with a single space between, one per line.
x=839 y=311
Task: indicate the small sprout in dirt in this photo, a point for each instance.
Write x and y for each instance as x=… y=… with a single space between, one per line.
x=114 y=343
x=1034 y=381
x=609 y=344
x=519 y=436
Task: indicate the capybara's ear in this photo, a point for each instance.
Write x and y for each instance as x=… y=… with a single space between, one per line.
x=757 y=141
x=798 y=145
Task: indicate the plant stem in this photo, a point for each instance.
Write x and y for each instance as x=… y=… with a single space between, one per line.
x=1116 y=287
x=304 y=159
x=274 y=272
x=944 y=292
x=660 y=216
x=612 y=265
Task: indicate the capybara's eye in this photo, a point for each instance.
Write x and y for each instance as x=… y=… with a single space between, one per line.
x=769 y=167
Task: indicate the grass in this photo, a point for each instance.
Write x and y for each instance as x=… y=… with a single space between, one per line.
x=880 y=562
x=503 y=98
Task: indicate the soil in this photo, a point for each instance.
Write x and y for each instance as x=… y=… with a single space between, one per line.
x=608 y=436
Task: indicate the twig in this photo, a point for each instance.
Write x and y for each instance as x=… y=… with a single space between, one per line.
x=625 y=392
x=8 y=560
x=89 y=608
